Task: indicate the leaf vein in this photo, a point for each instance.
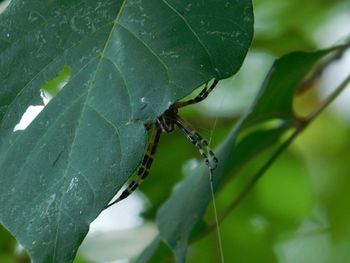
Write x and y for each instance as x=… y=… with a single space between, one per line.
x=192 y=30
x=153 y=53
x=125 y=85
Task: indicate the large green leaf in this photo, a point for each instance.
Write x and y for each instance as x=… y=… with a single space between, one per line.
x=128 y=61
x=185 y=207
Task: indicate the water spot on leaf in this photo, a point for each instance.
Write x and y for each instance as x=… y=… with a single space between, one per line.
x=72 y=183
x=188 y=7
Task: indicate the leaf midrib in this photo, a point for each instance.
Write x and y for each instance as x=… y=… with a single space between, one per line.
x=116 y=22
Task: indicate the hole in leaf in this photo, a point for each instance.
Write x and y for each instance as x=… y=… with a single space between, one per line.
x=49 y=90
x=4 y=5
x=29 y=115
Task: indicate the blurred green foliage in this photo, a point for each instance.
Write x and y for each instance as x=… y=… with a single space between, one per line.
x=7 y=245
x=299 y=211
x=285 y=26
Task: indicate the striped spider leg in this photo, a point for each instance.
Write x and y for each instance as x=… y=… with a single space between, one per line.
x=201 y=96
x=146 y=163
x=167 y=123
x=194 y=137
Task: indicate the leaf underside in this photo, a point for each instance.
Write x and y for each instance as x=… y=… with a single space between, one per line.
x=128 y=61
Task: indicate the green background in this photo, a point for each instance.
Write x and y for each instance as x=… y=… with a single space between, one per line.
x=302 y=216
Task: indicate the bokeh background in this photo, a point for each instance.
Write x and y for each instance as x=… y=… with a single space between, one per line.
x=300 y=210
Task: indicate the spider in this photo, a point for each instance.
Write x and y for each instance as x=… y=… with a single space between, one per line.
x=167 y=123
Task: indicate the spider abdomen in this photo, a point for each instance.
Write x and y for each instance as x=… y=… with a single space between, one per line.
x=166 y=122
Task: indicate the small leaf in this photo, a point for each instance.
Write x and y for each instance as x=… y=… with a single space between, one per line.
x=275 y=99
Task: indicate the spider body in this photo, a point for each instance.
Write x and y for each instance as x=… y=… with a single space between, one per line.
x=167 y=123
